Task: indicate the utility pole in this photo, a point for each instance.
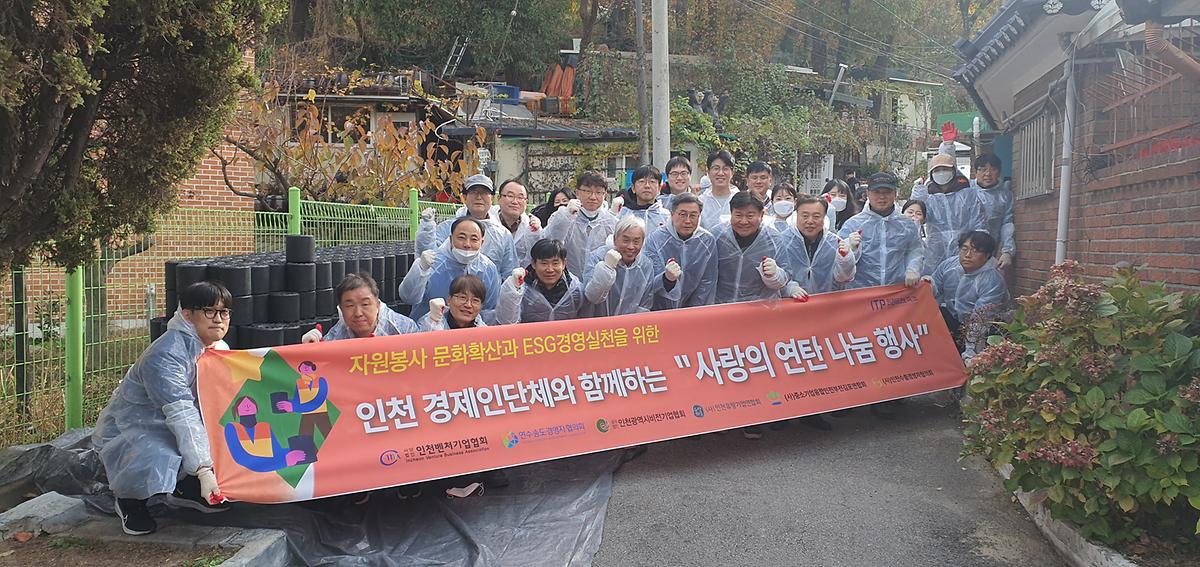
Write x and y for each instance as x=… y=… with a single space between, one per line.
x=643 y=100
x=661 y=70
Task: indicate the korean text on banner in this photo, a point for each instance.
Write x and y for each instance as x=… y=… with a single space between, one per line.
x=310 y=421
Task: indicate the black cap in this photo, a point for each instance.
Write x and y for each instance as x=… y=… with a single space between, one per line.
x=882 y=180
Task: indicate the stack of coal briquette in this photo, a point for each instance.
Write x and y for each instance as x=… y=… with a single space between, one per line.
x=279 y=296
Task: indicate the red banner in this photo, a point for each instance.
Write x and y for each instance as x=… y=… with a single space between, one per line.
x=309 y=421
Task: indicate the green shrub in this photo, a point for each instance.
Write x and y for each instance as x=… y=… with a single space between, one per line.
x=1093 y=398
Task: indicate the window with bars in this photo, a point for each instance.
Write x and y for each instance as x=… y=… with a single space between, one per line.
x=1035 y=156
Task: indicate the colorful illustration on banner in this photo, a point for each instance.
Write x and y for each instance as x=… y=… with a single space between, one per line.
x=268 y=430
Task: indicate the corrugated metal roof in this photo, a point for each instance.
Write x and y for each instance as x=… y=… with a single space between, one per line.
x=543 y=128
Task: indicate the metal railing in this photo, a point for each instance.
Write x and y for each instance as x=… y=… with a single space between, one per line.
x=67 y=339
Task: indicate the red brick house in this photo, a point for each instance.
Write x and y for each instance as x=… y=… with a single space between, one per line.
x=1075 y=78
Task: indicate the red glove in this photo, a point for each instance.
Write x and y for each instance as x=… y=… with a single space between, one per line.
x=949 y=132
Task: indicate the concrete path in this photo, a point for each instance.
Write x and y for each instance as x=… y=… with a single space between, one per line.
x=869 y=493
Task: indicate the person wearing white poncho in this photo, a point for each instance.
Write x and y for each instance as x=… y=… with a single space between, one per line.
x=684 y=241
x=746 y=252
x=553 y=294
x=150 y=437
x=970 y=290
x=817 y=260
x=477 y=196
x=432 y=273
x=621 y=279
x=584 y=224
x=460 y=309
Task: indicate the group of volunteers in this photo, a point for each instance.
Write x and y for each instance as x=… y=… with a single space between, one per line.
x=662 y=244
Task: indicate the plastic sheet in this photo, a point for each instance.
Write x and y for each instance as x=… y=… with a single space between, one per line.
x=551 y=513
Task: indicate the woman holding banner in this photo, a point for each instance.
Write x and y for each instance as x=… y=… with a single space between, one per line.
x=461 y=308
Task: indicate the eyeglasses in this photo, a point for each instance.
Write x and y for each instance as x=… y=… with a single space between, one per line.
x=687 y=216
x=969 y=250
x=467 y=299
x=680 y=174
x=212 y=314
x=592 y=192
x=514 y=197
x=720 y=168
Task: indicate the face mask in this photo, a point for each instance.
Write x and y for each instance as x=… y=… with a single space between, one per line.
x=839 y=204
x=464 y=256
x=784 y=208
x=942 y=177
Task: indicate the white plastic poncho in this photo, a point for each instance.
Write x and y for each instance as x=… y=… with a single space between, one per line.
x=697 y=256
x=387 y=324
x=827 y=270
x=497 y=241
x=715 y=212
x=419 y=286
x=654 y=216
x=523 y=238
x=948 y=216
x=974 y=299
x=580 y=234
x=890 y=247
x=529 y=305
x=997 y=203
x=625 y=289
x=151 y=431
x=738 y=276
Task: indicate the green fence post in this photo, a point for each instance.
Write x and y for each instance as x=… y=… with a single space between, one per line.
x=74 y=336
x=414 y=213
x=293 y=210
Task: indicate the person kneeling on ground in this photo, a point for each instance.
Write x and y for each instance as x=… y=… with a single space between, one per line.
x=970 y=290
x=150 y=436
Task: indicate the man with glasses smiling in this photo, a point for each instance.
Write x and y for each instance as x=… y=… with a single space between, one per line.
x=970 y=290
x=716 y=200
x=585 y=223
x=510 y=213
x=151 y=429
x=692 y=247
x=679 y=180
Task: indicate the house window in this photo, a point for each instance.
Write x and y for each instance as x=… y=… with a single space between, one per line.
x=1035 y=157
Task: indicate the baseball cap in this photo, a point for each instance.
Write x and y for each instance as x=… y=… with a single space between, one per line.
x=479 y=180
x=881 y=180
x=941 y=160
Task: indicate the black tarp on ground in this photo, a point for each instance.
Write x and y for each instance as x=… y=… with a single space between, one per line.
x=551 y=514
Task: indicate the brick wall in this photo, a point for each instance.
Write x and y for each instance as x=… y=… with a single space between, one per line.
x=1148 y=217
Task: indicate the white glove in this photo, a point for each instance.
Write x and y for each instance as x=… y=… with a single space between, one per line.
x=845 y=248
x=611 y=258
x=428 y=213
x=574 y=205
x=927 y=279
x=796 y=292
x=313 y=336
x=208 y=486
x=427 y=259
x=535 y=224
x=617 y=203
x=1004 y=261
x=769 y=269
x=672 y=271
x=855 y=240
x=517 y=279
x=911 y=278
x=437 y=309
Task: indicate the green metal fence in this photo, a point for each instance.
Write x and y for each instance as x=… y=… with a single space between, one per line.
x=66 y=340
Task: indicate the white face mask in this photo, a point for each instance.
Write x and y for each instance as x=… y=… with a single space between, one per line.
x=783 y=208
x=839 y=204
x=942 y=177
x=464 y=256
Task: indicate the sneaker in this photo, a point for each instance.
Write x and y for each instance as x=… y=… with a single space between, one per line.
x=135 y=517
x=753 y=432
x=187 y=495
x=408 y=491
x=494 y=479
x=817 y=422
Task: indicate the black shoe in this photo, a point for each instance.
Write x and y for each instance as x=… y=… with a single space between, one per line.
x=187 y=495
x=494 y=479
x=408 y=491
x=135 y=517
x=817 y=422
x=753 y=432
